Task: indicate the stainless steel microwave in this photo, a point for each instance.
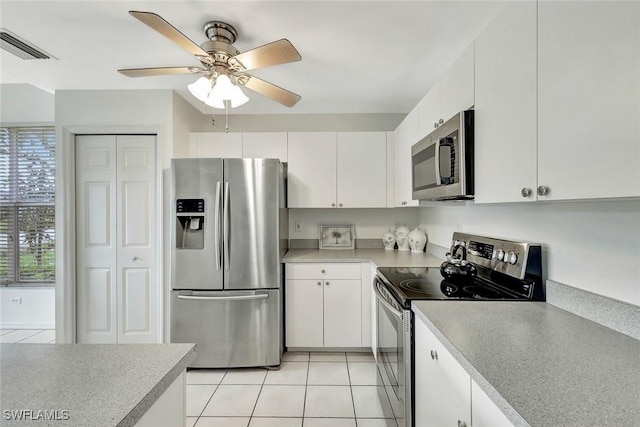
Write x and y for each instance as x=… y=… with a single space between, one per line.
x=442 y=162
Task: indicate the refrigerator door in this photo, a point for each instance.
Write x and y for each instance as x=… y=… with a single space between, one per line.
x=231 y=328
x=251 y=223
x=196 y=224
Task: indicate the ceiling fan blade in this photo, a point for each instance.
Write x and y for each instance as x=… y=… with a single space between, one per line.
x=269 y=90
x=163 y=27
x=278 y=52
x=159 y=71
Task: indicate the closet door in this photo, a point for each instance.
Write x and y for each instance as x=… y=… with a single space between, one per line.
x=96 y=244
x=116 y=243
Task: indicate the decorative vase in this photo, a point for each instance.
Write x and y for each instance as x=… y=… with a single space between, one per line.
x=389 y=240
x=402 y=238
x=417 y=240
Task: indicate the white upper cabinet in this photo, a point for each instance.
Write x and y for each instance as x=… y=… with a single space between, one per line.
x=362 y=169
x=264 y=145
x=405 y=136
x=454 y=92
x=216 y=144
x=589 y=99
x=312 y=169
x=505 y=106
x=343 y=170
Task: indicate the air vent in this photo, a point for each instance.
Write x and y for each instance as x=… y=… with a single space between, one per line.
x=20 y=47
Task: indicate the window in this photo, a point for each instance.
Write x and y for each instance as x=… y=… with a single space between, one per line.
x=27 y=209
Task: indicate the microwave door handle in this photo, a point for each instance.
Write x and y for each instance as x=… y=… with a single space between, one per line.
x=437 y=155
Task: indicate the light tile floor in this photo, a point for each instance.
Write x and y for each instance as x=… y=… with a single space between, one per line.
x=28 y=336
x=310 y=390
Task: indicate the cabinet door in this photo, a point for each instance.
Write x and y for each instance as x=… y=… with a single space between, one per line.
x=216 y=144
x=442 y=386
x=456 y=86
x=304 y=313
x=362 y=170
x=342 y=313
x=264 y=145
x=429 y=112
x=405 y=136
x=484 y=412
x=312 y=169
x=505 y=106
x=589 y=99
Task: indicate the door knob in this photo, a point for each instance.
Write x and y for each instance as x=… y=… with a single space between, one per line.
x=542 y=190
x=135 y=258
x=526 y=192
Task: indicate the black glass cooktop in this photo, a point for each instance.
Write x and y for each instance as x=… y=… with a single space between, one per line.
x=428 y=284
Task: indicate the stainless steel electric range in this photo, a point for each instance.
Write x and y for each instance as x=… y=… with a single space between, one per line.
x=477 y=269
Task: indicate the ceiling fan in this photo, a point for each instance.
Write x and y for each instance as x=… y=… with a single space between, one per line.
x=220 y=58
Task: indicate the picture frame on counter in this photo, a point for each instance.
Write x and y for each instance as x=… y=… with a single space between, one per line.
x=337 y=236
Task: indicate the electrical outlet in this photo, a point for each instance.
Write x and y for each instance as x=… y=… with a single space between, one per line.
x=298 y=226
x=16 y=300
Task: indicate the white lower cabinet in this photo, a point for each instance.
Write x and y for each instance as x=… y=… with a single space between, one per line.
x=445 y=395
x=485 y=413
x=170 y=408
x=323 y=305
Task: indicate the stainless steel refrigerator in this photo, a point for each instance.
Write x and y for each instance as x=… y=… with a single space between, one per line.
x=229 y=233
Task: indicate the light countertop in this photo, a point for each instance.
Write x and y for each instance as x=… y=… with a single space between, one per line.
x=541 y=365
x=98 y=384
x=379 y=257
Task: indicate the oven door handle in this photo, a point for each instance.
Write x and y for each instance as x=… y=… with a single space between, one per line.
x=384 y=302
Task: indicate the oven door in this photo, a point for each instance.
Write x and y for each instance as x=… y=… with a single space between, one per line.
x=393 y=354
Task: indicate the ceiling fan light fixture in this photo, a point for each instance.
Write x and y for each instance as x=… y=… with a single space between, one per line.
x=200 y=88
x=223 y=88
x=238 y=98
x=214 y=101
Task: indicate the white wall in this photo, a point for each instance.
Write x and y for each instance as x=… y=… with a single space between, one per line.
x=594 y=246
x=185 y=119
x=370 y=223
x=36 y=309
x=23 y=104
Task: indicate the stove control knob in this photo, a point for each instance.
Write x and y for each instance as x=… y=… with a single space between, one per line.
x=494 y=254
x=513 y=258
x=501 y=255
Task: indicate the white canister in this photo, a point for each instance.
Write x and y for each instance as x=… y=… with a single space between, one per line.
x=402 y=238
x=417 y=240
x=389 y=240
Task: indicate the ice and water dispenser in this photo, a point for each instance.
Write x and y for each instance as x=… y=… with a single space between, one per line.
x=190 y=223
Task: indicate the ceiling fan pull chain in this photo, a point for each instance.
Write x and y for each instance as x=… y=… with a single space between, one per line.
x=213 y=116
x=226 y=114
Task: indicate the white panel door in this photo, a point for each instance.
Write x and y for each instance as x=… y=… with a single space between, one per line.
x=96 y=242
x=342 y=313
x=589 y=99
x=216 y=145
x=362 y=169
x=116 y=239
x=304 y=314
x=505 y=106
x=312 y=170
x=137 y=239
x=264 y=145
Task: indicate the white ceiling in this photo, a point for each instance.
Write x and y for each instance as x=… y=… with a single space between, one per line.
x=357 y=56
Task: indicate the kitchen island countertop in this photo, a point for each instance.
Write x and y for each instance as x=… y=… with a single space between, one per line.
x=379 y=257
x=541 y=365
x=94 y=384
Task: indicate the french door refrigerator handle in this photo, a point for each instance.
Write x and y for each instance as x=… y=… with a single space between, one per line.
x=229 y=298
x=216 y=214
x=226 y=225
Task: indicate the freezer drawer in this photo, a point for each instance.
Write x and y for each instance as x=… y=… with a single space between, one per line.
x=232 y=329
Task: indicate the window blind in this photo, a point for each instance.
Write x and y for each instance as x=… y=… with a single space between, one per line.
x=27 y=204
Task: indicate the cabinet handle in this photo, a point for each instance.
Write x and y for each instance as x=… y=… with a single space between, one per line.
x=135 y=258
x=326 y=283
x=322 y=271
x=462 y=423
x=333 y=205
x=526 y=192
x=542 y=190
x=340 y=205
x=319 y=283
x=440 y=121
x=434 y=355
x=435 y=125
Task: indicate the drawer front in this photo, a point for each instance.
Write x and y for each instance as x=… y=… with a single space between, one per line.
x=351 y=271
